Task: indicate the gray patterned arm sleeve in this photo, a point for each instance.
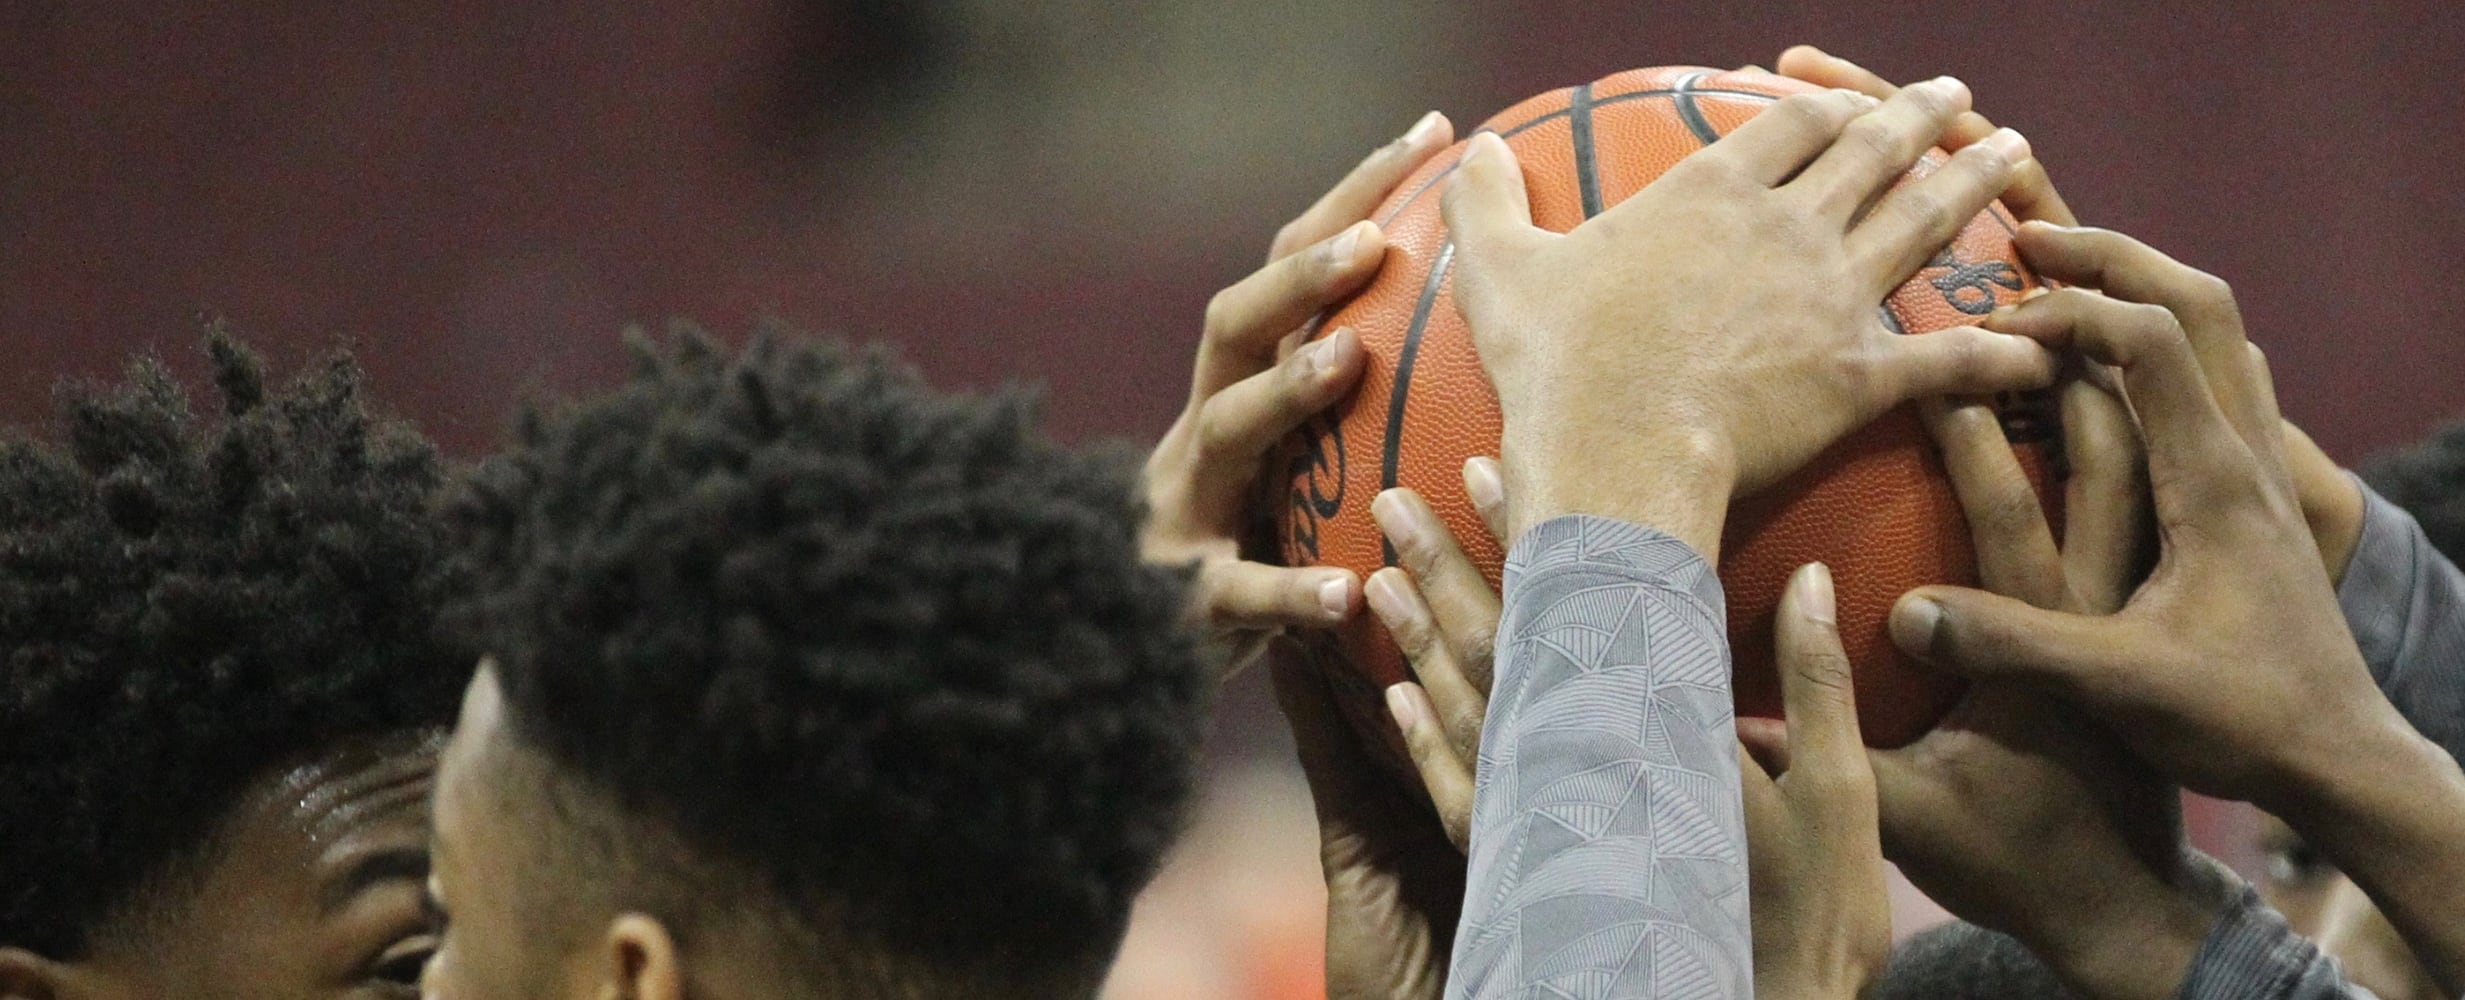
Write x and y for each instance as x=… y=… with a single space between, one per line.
x=2252 y=955
x=1608 y=831
x=2406 y=605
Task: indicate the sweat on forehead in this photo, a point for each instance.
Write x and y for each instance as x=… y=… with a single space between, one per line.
x=193 y=603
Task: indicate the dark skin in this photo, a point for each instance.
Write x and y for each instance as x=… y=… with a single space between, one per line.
x=2320 y=903
x=312 y=892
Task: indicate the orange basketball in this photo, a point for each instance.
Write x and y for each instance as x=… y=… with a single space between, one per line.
x=1876 y=507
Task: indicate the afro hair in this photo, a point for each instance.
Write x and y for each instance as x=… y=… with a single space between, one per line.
x=2427 y=478
x=188 y=606
x=890 y=654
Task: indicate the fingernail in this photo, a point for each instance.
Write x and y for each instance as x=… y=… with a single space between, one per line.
x=1404 y=707
x=1483 y=146
x=1814 y=592
x=1323 y=354
x=1912 y=626
x=1347 y=244
x=1420 y=130
x=2008 y=144
x=1860 y=99
x=1386 y=601
x=1335 y=596
x=1395 y=520
x=1482 y=484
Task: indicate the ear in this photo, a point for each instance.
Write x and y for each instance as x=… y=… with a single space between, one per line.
x=638 y=961
x=25 y=975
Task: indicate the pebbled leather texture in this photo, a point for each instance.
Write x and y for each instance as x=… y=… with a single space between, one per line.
x=1877 y=507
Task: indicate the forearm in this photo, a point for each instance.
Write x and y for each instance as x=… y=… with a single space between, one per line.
x=1608 y=835
x=2388 y=812
x=2133 y=932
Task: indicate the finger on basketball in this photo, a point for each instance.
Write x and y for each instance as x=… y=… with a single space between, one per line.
x=1772 y=146
x=1236 y=594
x=1458 y=595
x=2204 y=305
x=1913 y=222
x=1818 y=691
x=2016 y=554
x=1485 y=203
x=1875 y=149
x=2192 y=448
x=1446 y=776
x=1485 y=484
x=1246 y=321
x=1954 y=361
x=1358 y=194
x=2105 y=506
x=1237 y=426
x=1457 y=704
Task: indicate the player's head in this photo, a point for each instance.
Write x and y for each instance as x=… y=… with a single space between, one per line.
x=1962 y=961
x=222 y=691
x=2427 y=478
x=804 y=677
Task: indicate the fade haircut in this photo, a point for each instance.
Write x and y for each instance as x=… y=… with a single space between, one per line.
x=891 y=655
x=2427 y=478
x=1962 y=961
x=190 y=605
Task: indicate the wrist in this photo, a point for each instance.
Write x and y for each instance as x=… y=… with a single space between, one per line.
x=1642 y=469
x=2143 y=933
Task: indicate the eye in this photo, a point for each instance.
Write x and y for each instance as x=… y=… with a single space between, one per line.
x=2294 y=863
x=396 y=970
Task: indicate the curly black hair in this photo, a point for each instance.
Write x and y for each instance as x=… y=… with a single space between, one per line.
x=189 y=605
x=2427 y=478
x=891 y=652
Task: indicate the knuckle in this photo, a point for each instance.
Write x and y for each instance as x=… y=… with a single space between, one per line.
x=2008 y=509
x=2209 y=292
x=1288 y=237
x=1924 y=208
x=1222 y=313
x=1219 y=429
x=1480 y=642
x=1826 y=669
x=1872 y=137
x=1812 y=112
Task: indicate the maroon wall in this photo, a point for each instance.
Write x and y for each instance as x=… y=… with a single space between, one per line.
x=480 y=193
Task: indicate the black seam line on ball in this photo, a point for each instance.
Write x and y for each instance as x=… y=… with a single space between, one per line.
x=1403 y=378
x=1690 y=113
x=1553 y=116
x=1587 y=173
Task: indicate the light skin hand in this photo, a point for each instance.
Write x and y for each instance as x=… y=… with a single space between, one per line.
x=2231 y=668
x=1250 y=388
x=1719 y=328
x=1822 y=917
x=2331 y=501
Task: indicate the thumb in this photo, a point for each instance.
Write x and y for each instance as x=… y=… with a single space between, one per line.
x=1987 y=635
x=1485 y=203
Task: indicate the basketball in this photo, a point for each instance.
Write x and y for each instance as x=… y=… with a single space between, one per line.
x=1876 y=507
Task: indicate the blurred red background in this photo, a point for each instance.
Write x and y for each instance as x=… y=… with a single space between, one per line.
x=478 y=196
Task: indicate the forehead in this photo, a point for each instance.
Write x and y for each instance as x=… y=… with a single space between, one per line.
x=460 y=778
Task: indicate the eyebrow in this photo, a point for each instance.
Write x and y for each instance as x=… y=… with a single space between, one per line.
x=398 y=864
